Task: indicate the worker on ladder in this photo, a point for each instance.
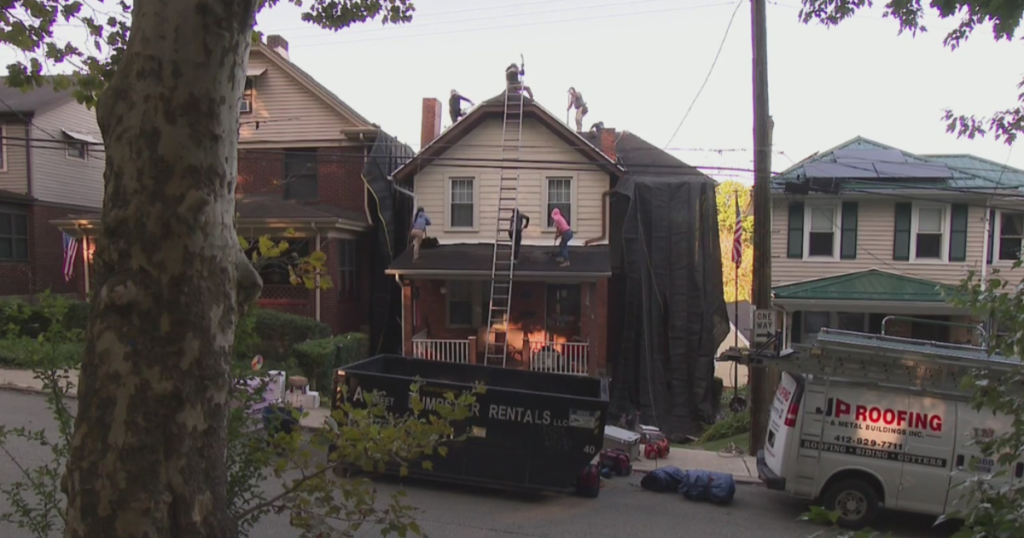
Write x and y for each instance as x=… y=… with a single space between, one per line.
x=455 y=105
x=513 y=77
x=576 y=100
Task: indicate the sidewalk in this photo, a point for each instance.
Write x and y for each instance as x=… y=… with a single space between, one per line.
x=25 y=381
x=743 y=468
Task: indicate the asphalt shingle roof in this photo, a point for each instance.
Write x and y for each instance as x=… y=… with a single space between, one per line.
x=17 y=101
x=478 y=257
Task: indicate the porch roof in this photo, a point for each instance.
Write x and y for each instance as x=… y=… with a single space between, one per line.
x=257 y=210
x=872 y=285
x=468 y=259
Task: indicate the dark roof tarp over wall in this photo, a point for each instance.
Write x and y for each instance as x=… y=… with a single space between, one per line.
x=390 y=213
x=673 y=314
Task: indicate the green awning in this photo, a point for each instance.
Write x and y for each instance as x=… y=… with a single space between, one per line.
x=870 y=285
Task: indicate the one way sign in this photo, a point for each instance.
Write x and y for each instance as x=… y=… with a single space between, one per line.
x=764 y=325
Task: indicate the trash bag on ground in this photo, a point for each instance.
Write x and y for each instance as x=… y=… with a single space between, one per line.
x=663 y=480
x=710 y=486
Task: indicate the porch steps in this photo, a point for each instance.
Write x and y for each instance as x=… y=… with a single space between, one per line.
x=503 y=265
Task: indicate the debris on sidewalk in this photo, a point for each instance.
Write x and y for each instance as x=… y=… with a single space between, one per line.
x=624 y=440
x=696 y=485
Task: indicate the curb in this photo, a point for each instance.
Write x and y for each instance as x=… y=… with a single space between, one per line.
x=30 y=390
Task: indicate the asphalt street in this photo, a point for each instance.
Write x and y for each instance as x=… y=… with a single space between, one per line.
x=622 y=510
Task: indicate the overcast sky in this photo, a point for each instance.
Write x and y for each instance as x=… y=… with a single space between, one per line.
x=639 y=64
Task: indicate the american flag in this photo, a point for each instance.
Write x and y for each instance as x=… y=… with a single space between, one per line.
x=737 y=235
x=70 y=250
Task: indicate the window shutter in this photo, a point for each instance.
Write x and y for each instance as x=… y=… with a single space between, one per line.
x=848 y=247
x=991 y=233
x=958 y=233
x=901 y=238
x=795 y=247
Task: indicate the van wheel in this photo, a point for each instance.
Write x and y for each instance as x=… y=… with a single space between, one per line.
x=855 y=500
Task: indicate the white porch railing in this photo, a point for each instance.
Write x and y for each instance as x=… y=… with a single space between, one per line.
x=442 y=350
x=558 y=357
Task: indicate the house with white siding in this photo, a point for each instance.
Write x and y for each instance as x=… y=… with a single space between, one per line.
x=455 y=178
x=868 y=237
x=51 y=165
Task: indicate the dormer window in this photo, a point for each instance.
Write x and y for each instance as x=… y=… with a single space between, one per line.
x=76 y=145
x=246 y=105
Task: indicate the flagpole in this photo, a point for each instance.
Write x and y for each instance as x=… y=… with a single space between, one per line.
x=736 y=300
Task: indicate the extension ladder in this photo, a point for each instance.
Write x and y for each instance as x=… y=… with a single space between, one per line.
x=502 y=266
x=884 y=361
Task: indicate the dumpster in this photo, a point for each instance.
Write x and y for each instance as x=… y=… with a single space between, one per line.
x=530 y=431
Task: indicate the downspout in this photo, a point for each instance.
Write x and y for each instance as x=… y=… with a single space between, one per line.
x=316 y=291
x=984 y=269
x=605 y=210
x=366 y=199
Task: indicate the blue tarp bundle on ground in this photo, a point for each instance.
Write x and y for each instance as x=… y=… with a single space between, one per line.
x=710 y=486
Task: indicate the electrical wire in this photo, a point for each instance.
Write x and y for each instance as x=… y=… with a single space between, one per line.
x=714 y=63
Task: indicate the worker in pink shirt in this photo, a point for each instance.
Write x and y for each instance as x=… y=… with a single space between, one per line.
x=563 y=232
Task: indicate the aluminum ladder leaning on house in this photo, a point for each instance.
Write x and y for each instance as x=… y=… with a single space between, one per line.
x=502 y=266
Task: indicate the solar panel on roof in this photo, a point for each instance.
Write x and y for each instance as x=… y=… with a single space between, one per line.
x=838 y=170
x=873 y=155
x=913 y=170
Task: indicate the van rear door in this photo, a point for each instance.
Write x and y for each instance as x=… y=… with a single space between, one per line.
x=973 y=427
x=782 y=422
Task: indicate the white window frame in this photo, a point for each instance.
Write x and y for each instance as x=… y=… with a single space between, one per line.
x=3 y=147
x=573 y=202
x=252 y=97
x=915 y=218
x=997 y=235
x=837 y=228
x=448 y=203
x=68 y=142
x=475 y=296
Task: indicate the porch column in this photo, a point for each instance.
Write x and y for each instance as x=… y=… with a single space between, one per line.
x=316 y=291
x=85 y=262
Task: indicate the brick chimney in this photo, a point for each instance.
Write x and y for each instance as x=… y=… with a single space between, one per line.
x=431 y=126
x=278 y=44
x=606 y=141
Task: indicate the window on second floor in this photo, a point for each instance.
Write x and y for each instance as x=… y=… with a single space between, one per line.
x=300 y=174
x=930 y=232
x=462 y=202
x=13 y=234
x=822 y=231
x=559 y=195
x=248 y=102
x=1010 y=230
x=76 y=149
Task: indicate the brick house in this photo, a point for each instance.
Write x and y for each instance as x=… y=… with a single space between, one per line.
x=446 y=294
x=51 y=166
x=302 y=152
x=864 y=231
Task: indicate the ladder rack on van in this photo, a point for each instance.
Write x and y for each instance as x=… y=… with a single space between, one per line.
x=881 y=360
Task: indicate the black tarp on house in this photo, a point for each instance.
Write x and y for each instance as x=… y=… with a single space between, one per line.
x=667 y=309
x=390 y=212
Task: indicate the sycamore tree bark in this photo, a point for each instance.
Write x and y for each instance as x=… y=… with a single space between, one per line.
x=148 y=456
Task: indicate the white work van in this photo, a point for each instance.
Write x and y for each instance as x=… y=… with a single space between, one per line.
x=862 y=422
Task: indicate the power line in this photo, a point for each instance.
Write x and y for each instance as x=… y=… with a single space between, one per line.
x=708 y=77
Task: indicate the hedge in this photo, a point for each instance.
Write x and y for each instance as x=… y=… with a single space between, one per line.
x=20 y=352
x=318 y=358
x=31 y=320
x=279 y=332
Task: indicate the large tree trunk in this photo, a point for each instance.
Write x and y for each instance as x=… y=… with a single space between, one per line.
x=148 y=456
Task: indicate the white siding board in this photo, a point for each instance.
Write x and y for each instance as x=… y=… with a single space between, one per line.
x=14 y=176
x=875 y=236
x=289 y=112
x=55 y=176
x=484 y=142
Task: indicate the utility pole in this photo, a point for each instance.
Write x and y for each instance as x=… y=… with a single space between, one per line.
x=761 y=394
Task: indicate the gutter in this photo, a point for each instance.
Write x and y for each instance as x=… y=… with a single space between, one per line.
x=487 y=274
x=605 y=214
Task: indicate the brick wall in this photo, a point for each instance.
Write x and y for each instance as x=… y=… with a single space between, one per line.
x=339 y=175
x=347 y=314
x=46 y=252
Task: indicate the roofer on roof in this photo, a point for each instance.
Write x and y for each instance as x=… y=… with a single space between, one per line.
x=513 y=74
x=576 y=100
x=455 y=105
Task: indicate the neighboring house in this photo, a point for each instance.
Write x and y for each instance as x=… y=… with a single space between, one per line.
x=739 y=336
x=301 y=156
x=51 y=166
x=864 y=232
x=455 y=179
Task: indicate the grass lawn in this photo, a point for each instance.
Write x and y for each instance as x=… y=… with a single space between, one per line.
x=742 y=441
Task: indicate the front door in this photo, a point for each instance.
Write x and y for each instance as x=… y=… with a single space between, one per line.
x=563 y=312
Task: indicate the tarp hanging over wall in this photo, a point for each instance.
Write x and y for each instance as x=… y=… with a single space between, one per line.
x=674 y=315
x=390 y=213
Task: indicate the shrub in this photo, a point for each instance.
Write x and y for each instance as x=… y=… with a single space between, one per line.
x=21 y=352
x=732 y=424
x=318 y=358
x=279 y=332
x=30 y=319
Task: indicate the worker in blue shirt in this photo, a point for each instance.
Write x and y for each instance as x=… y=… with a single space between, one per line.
x=419 y=231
